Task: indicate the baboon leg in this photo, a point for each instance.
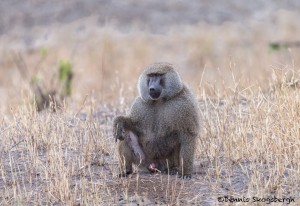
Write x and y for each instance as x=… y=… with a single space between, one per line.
x=126 y=158
x=175 y=166
x=186 y=160
x=171 y=164
x=132 y=141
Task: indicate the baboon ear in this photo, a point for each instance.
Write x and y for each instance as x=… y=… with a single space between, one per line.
x=143 y=87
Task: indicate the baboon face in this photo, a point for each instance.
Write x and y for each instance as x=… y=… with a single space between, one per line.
x=159 y=81
x=155 y=85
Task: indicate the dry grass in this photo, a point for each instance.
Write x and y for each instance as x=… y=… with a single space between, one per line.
x=250 y=146
x=250 y=142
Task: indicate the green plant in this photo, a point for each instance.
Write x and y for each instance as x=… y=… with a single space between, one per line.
x=65 y=76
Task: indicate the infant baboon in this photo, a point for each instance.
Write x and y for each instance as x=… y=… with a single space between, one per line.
x=164 y=120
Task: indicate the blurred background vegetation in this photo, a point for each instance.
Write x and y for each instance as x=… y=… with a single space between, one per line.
x=99 y=47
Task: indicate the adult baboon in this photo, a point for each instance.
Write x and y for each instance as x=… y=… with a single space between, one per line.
x=163 y=123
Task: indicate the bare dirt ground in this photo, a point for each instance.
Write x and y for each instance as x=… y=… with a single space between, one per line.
x=248 y=95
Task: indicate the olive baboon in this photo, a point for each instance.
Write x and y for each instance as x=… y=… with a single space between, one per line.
x=163 y=121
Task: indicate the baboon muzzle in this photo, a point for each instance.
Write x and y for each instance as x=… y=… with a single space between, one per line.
x=154 y=94
x=155 y=88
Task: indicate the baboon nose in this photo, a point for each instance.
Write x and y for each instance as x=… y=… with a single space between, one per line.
x=154 y=93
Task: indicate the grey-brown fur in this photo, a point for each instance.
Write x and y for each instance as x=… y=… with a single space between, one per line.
x=166 y=128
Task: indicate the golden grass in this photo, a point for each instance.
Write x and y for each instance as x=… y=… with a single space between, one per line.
x=249 y=147
x=249 y=100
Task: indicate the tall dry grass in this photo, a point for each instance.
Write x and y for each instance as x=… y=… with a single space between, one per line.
x=249 y=147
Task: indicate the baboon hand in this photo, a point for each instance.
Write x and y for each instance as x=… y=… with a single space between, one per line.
x=119 y=128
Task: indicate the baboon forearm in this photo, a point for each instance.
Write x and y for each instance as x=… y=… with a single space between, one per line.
x=132 y=141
